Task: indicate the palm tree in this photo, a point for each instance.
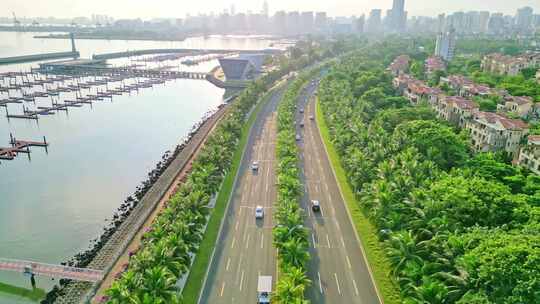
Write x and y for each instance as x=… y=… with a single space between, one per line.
x=159 y=283
x=294 y=253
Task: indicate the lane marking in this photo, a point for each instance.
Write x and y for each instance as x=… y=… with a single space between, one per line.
x=222 y=289
x=348 y=262
x=236 y=226
x=247 y=242
x=320 y=284
x=337 y=283
x=228 y=264
x=313 y=239
x=342 y=242
x=355 y=288
x=233 y=241
x=242 y=280
x=328 y=240
x=262 y=241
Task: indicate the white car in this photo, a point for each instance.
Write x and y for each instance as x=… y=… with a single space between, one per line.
x=255 y=166
x=259 y=212
x=311 y=118
x=301 y=111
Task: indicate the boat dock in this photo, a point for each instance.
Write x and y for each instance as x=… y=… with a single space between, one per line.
x=20 y=146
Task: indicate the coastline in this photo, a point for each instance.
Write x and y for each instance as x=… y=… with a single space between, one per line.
x=106 y=249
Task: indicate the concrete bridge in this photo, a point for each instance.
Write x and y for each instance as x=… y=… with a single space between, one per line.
x=55 y=271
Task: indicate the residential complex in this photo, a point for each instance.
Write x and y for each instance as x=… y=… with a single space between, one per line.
x=510 y=65
x=489 y=131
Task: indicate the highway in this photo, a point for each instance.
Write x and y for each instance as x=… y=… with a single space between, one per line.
x=338 y=269
x=244 y=249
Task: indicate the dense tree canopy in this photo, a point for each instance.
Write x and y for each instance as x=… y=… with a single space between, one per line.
x=458 y=228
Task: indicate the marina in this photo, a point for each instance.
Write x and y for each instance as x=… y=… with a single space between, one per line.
x=109 y=112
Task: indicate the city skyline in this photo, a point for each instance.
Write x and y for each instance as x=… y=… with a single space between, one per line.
x=163 y=8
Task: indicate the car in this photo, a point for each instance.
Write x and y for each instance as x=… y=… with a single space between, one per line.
x=315 y=206
x=259 y=212
x=312 y=118
x=255 y=166
x=301 y=124
x=301 y=111
x=298 y=138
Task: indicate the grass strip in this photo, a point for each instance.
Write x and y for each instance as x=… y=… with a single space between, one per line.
x=373 y=248
x=32 y=294
x=195 y=279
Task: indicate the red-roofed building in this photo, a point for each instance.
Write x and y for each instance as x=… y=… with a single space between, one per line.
x=495 y=132
x=456 y=110
x=434 y=64
x=529 y=156
x=509 y=65
x=400 y=65
x=518 y=105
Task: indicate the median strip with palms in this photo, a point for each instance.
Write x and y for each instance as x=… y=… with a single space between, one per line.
x=290 y=237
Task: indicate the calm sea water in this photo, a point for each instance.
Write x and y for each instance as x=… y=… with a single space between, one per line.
x=52 y=205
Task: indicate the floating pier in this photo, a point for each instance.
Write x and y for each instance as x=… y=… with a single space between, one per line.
x=20 y=146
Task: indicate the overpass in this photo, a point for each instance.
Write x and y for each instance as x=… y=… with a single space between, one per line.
x=172 y=51
x=49 y=270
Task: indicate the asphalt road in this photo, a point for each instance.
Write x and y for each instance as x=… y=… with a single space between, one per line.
x=337 y=269
x=244 y=249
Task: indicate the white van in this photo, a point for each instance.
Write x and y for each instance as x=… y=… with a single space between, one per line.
x=264 y=289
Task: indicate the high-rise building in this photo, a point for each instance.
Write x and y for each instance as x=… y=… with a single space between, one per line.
x=374 y=22
x=359 y=24
x=306 y=22
x=524 y=19
x=441 y=24
x=265 y=10
x=397 y=17
x=484 y=21
x=496 y=24
x=446 y=44
x=280 y=23
x=293 y=23
x=321 y=22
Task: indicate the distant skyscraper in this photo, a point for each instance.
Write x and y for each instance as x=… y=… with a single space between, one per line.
x=446 y=44
x=374 y=21
x=484 y=21
x=397 y=17
x=265 y=9
x=441 y=26
x=306 y=22
x=496 y=24
x=524 y=19
x=321 y=21
x=233 y=10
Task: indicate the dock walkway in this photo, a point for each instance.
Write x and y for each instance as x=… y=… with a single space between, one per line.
x=49 y=270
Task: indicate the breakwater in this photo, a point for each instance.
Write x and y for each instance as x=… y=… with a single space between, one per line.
x=38 y=57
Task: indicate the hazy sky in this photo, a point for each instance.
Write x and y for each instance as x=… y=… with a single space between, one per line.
x=179 y=8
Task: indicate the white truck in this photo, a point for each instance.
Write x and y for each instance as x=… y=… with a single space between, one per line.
x=264 y=289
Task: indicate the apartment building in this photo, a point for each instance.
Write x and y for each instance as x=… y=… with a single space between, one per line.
x=491 y=132
x=529 y=156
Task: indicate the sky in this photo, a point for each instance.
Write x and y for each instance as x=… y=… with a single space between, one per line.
x=148 y=9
